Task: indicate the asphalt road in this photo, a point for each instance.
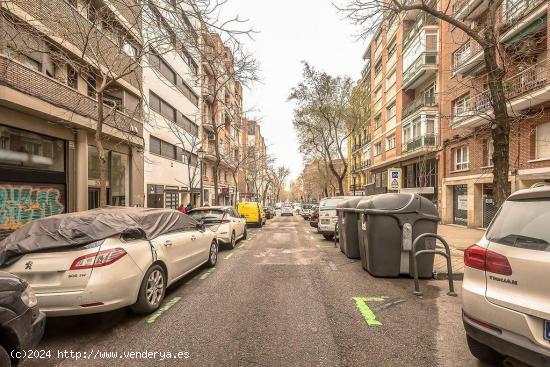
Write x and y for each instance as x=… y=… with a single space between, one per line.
x=286 y=297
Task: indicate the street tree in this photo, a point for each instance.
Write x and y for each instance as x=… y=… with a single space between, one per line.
x=324 y=117
x=279 y=176
x=370 y=15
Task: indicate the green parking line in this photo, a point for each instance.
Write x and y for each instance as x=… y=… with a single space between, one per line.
x=207 y=273
x=370 y=317
x=241 y=245
x=168 y=305
x=229 y=256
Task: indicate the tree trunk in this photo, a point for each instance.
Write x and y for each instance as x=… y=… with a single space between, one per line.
x=101 y=152
x=500 y=127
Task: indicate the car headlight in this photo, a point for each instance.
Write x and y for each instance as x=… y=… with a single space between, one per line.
x=28 y=297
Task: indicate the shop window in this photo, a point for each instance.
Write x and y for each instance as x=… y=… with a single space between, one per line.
x=93 y=163
x=19 y=148
x=461 y=158
x=543 y=141
x=171 y=197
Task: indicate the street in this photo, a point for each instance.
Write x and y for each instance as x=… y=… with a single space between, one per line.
x=285 y=296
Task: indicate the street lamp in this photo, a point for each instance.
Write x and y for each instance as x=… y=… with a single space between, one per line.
x=200 y=153
x=354 y=175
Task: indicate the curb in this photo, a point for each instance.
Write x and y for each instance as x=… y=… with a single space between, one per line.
x=445 y=276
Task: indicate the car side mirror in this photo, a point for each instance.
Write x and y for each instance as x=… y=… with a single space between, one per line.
x=200 y=226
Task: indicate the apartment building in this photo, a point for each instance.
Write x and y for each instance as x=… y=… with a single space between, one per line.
x=171 y=84
x=255 y=151
x=221 y=121
x=49 y=108
x=465 y=161
x=402 y=136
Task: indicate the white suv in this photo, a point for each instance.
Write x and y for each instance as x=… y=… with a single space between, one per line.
x=506 y=289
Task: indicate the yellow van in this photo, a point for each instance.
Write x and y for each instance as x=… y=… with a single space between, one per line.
x=252 y=212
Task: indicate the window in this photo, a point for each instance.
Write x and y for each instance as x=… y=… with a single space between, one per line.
x=31 y=62
x=154 y=145
x=167 y=111
x=430 y=125
x=378 y=94
x=378 y=148
x=460 y=106
x=378 y=68
x=391 y=110
x=129 y=49
x=543 y=141
x=377 y=121
x=72 y=77
x=91 y=85
x=378 y=179
x=390 y=80
x=488 y=151
x=461 y=158
x=390 y=142
x=168 y=150
x=391 y=49
x=460 y=55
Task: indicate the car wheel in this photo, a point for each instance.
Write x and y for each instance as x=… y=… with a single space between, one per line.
x=484 y=353
x=4 y=358
x=245 y=233
x=233 y=240
x=328 y=236
x=212 y=255
x=152 y=290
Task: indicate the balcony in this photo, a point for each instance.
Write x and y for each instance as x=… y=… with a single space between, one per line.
x=522 y=18
x=468 y=58
x=78 y=108
x=423 y=68
x=514 y=10
x=420 y=102
x=526 y=89
x=469 y=9
x=427 y=141
x=422 y=20
x=361 y=143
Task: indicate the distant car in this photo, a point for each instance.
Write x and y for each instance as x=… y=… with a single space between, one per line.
x=305 y=211
x=287 y=210
x=314 y=218
x=253 y=212
x=272 y=212
x=105 y=259
x=21 y=322
x=228 y=225
x=506 y=288
x=297 y=207
x=328 y=216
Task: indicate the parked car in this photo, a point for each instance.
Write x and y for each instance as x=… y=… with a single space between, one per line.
x=297 y=207
x=314 y=218
x=328 y=216
x=287 y=210
x=269 y=212
x=253 y=213
x=506 y=292
x=104 y=259
x=229 y=225
x=272 y=211
x=21 y=322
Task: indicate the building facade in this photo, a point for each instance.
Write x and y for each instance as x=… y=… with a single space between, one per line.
x=172 y=133
x=49 y=109
x=466 y=158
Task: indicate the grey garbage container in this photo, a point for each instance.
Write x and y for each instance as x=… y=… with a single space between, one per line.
x=388 y=226
x=347 y=227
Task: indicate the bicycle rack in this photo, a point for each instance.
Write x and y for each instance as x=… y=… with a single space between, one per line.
x=446 y=254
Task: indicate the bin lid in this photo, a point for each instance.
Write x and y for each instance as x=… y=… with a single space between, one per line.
x=402 y=202
x=350 y=203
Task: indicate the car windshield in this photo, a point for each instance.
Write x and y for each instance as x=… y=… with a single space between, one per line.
x=206 y=214
x=522 y=224
x=329 y=203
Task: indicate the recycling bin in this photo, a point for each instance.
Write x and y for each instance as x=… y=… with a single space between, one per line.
x=388 y=226
x=347 y=227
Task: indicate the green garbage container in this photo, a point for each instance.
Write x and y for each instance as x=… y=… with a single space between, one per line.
x=388 y=226
x=347 y=227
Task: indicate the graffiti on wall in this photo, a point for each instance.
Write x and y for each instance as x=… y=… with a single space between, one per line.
x=20 y=204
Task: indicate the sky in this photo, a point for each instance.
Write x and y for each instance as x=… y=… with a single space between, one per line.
x=291 y=32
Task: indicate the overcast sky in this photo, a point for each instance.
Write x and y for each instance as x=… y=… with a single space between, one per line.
x=291 y=32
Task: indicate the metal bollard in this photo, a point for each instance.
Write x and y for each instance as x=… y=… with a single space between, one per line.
x=446 y=254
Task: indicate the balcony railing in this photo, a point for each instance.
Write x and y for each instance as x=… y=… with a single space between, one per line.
x=528 y=80
x=422 y=20
x=428 y=140
x=425 y=59
x=463 y=55
x=54 y=92
x=424 y=100
x=516 y=9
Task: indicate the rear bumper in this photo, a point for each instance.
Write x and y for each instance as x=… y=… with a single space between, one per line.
x=326 y=228
x=504 y=346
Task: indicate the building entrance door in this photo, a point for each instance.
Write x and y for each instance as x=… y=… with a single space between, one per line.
x=460 y=204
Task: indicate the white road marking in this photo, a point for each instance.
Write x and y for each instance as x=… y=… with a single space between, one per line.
x=332 y=266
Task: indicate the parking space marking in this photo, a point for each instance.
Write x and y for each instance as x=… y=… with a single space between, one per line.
x=332 y=266
x=368 y=314
x=324 y=246
x=229 y=256
x=207 y=273
x=168 y=305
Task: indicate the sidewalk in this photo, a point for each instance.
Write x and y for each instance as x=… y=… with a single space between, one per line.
x=458 y=238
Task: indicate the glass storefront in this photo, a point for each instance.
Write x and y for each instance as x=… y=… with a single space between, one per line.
x=118 y=178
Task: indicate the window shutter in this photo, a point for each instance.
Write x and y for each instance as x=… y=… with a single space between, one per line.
x=543 y=141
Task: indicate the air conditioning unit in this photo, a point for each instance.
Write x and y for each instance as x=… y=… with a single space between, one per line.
x=211 y=137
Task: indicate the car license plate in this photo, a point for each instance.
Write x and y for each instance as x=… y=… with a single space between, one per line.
x=547 y=330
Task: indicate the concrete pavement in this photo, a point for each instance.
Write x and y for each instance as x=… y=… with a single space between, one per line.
x=285 y=297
